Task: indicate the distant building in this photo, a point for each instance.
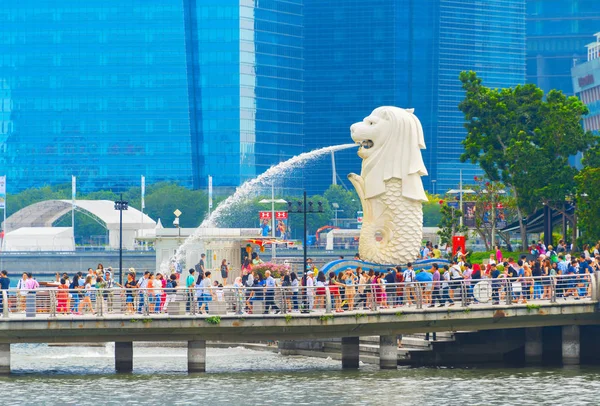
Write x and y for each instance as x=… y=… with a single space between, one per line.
x=586 y=83
x=173 y=90
x=557 y=32
x=407 y=53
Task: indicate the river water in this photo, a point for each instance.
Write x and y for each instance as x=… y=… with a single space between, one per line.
x=236 y=376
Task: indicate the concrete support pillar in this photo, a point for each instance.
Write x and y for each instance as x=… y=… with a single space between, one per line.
x=570 y=345
x=388 y=352
x=534 y=346
x=124 y=357
x=350 y=352
x=196 y=356
x=4 y=359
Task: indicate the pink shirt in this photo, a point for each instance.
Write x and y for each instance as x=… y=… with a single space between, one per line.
x=31 y=284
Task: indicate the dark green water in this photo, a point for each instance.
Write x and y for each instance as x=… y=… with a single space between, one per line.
x=85 y=376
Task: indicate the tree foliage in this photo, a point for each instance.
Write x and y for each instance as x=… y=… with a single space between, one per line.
x=588 y=204
x=524 y=140
x=450 y=224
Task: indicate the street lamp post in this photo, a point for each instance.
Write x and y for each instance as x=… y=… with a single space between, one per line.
x=302 y=207
x=121 y=205
x=177 y=213
x=336 y=209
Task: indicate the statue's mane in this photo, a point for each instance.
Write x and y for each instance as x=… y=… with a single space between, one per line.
x=397 y=156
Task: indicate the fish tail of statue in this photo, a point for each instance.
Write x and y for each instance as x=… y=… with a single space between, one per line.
x=390 y=186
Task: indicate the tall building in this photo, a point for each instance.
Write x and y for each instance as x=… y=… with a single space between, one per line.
x=557 y=32
x=407 y=53
x=174 y=90
x=586 y=84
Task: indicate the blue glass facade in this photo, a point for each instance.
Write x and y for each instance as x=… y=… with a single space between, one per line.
x=557 y=33
x=96 y=90
x=174 y=90
x=408 y=53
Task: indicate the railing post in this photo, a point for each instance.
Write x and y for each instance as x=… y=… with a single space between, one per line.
x=508 y=295
x=594 y=278
x=553 y=287
x=463 y=293
x=53 y=303
x=146 y=304
x=327 y=300
x=283 y=295
x=5 y=304
x=419 y=294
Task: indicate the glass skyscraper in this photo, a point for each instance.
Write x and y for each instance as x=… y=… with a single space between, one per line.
x=407 y=53
x=174 y=90
x=182 y=89
x=557 y=33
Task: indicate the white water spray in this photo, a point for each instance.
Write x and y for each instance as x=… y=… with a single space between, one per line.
x=249 y=187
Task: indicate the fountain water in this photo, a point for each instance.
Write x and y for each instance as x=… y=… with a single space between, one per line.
x=249 y=187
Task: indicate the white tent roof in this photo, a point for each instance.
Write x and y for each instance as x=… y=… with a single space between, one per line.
x=39 y=239
x=44 y=214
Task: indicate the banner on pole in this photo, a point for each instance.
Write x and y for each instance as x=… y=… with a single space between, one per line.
x=210 y=192
x=73 y=189
x=143 y=192
x=3 y=192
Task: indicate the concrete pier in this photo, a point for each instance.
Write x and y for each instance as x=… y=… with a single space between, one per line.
x=4 y=359
x=388 y=352
x=570 y=345
x=350 y=352
x=534 y=345
x=124 y=357
x=196 y=356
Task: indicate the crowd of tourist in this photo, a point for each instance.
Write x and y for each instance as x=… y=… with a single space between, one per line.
x=546 y=273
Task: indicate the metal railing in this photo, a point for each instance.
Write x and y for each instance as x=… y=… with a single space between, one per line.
x=370 y=297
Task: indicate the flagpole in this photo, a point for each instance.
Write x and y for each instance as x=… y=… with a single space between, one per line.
x=73 y=195
x=143 y=206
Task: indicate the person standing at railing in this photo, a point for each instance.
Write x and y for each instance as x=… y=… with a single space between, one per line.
x=546 y=273
x=320 y=291
x=295 y=287
x=399 y=281
x=571 y=280
x=170 y=291
x=143 y=284
x=74 y=289
x=495 y=275
x=536 y=272
x=409 y=289
x=445 y=294
x=455 y=286
x=62 y=296
x=467 y=277
x=87 y=296
x=22 y=291
x=4 y=285
x=270 y=294
x=361 y=280
x=475 y=279
x=309 y=291
x=162 y=292
x=350 y=282
x=390 y=287
x=130 y=286
x=527 y=280
x=207 y=292
x=435 y=287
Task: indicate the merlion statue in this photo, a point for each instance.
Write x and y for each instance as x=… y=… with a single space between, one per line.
x=390 y=186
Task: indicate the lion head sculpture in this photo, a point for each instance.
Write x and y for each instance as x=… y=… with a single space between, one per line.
x=391 y=140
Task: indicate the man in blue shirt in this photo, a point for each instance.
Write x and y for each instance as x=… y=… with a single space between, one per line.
x=270 y=293
x=495 y=274
x=4 y=285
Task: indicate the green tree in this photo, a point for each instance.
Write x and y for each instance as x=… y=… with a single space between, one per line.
x=524 y=140
x=162 y=199
x=348 y=201
x=588 y=204
x=450 y=224
x=431 y=211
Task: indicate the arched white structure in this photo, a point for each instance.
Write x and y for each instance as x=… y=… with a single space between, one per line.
x=44 y=214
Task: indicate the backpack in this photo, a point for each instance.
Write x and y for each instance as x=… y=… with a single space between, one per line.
x=170 y=287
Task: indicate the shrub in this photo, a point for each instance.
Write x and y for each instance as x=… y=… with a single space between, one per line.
x=277 y=270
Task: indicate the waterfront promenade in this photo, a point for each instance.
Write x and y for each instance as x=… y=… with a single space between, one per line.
x=36 y=317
